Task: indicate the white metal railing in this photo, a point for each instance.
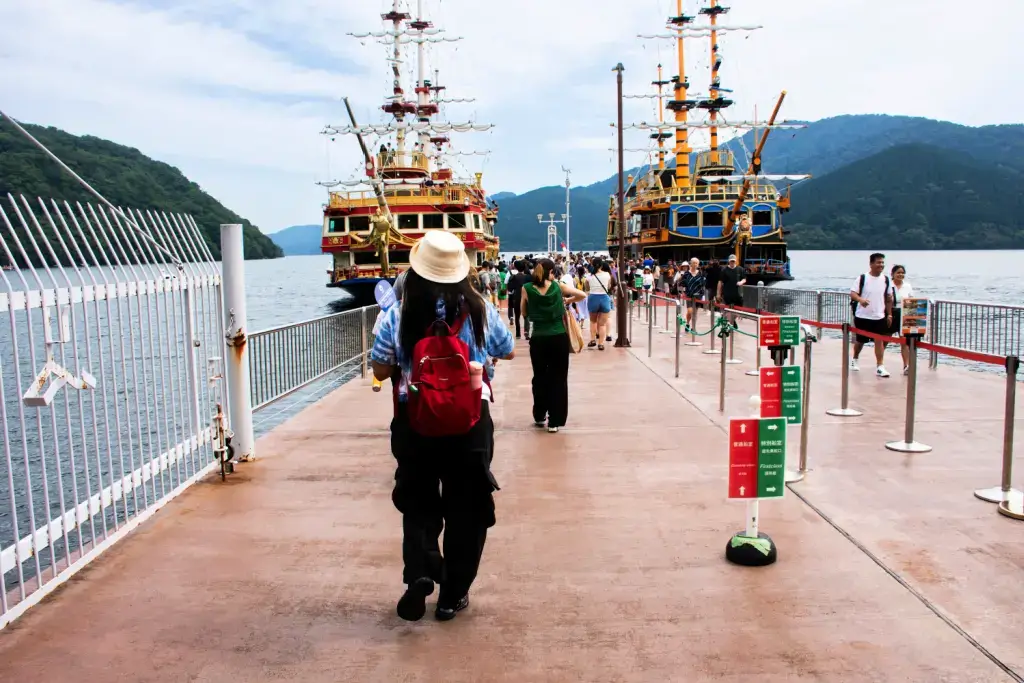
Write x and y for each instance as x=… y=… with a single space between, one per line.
x=287 y=358
x=110 y=357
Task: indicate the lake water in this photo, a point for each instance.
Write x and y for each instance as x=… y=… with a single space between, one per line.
x=291 y=289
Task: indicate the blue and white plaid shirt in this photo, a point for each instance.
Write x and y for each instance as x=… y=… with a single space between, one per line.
x=387 y=349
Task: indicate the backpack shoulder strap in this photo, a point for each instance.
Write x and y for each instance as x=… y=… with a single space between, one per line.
x=860 y=289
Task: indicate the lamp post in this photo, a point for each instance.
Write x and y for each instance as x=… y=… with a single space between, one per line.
x=550 y=220
x=621 y=315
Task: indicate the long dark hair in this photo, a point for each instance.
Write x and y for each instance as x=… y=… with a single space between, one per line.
x=419 y=308
x=542 y=271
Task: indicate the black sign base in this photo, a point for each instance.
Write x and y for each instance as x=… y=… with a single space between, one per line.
x=748 y=552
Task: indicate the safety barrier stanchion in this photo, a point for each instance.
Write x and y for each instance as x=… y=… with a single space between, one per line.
x=1004 y=493
x=757 y=370
x=710 y=351
x=808 y=342
x=908 y=445
x=679 y=328
x=653 y=303
x=845 y=410
x=721 y=379
x=693 y=305
x=732 y=360
x=650 y=325
x=631 y=307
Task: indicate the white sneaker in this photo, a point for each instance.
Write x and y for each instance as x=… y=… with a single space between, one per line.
x=552 y=430
x=906 y=370
x=880 y=371
x=854 y=365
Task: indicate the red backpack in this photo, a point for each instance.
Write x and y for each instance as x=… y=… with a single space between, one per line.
x=442 y=401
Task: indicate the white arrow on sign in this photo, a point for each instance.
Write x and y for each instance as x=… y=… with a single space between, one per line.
x=742 y=490
x=743 y=428
x=770 y=490
x=772 y=427
x=770 y=373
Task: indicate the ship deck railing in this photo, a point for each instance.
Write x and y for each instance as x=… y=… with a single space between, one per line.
x=397 y=198
x=757 y=193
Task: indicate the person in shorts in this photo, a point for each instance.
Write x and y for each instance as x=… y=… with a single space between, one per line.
x=872 y=303
x=731 y=278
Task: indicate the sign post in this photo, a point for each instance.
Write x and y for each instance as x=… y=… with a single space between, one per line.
x=757 y=460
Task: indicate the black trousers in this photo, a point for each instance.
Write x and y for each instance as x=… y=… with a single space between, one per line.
x=444 y=483
x=549 y=356
x=515 y=311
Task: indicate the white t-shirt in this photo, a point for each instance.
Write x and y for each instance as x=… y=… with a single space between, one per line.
x=597 y=279
x=901 y=293
x=648 y=280
x=874 y=292
x=567 y=280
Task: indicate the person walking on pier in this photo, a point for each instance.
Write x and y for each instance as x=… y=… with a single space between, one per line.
x=871 y=300
x=445 y=320
x=901 y=290
x=599 y=303
x=544 y=302
x=515 y=290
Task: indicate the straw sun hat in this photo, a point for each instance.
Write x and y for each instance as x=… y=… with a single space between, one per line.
x=440 y=257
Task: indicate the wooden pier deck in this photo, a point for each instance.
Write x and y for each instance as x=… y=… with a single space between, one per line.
x=607 y=560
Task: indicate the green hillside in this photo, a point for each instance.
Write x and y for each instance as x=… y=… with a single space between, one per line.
x=911 y=197
x=298 y=240
x=519 y=230
x=123 y=175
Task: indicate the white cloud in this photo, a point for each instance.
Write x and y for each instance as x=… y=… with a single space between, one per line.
x=234 y=92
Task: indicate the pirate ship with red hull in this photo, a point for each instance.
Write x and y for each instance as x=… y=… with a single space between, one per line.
x=409 y=185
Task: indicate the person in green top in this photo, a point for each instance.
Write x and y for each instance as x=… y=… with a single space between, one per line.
x=543 y=302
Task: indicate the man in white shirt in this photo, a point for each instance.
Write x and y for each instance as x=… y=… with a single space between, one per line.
x=872 y=298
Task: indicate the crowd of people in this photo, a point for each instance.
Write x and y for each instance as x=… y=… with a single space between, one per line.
x=440 y=348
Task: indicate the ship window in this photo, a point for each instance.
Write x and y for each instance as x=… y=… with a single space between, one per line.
x=408 y=221
x=762 y=218
x=687 y=219
x=714 y=218
x=456 y=220
x=433 y=221
x=336 y=225
x=365 y=258
x=358 y=223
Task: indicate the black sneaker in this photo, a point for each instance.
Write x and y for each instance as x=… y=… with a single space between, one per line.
x=413 y=604
x=448 y=613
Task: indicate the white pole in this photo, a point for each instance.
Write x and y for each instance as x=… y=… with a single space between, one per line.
x=568 y=247
x=421 y=68
x=236 y=326
x=752 y=507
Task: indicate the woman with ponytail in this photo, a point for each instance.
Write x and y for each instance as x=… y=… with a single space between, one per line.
x=544 y=301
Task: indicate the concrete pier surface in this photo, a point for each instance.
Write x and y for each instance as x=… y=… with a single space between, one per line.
x=607 y=561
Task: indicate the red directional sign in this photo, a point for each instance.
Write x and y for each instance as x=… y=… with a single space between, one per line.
x=743 y=458
x=771 y=392
x=768 y=331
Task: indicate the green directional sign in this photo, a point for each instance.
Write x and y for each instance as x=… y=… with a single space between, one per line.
x=771 y=457
x=789 y=330
x=792 y=394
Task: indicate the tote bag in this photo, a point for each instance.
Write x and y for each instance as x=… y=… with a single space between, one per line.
x=573 y=329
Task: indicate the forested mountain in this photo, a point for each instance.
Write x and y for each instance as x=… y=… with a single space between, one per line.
x=123 y=175
x=299 y=239
x=876 y=197
x=911 y=197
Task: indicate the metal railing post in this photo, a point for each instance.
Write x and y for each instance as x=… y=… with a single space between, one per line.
x=1004 y=492
x=933 y=329
x=362 y=342
x=237 y=334
x=908 y=445
x=679 y=328
x=192 y=341
x=845 y=410
x=821 y=312
x=756 y=372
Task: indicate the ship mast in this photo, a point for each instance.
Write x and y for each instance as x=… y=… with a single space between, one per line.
x=425 y=108
x=398 y=107
x=716 y=62
x=682 y=146
x=660 y=135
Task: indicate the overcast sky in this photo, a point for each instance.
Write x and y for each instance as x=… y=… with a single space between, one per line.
x=235 y=92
